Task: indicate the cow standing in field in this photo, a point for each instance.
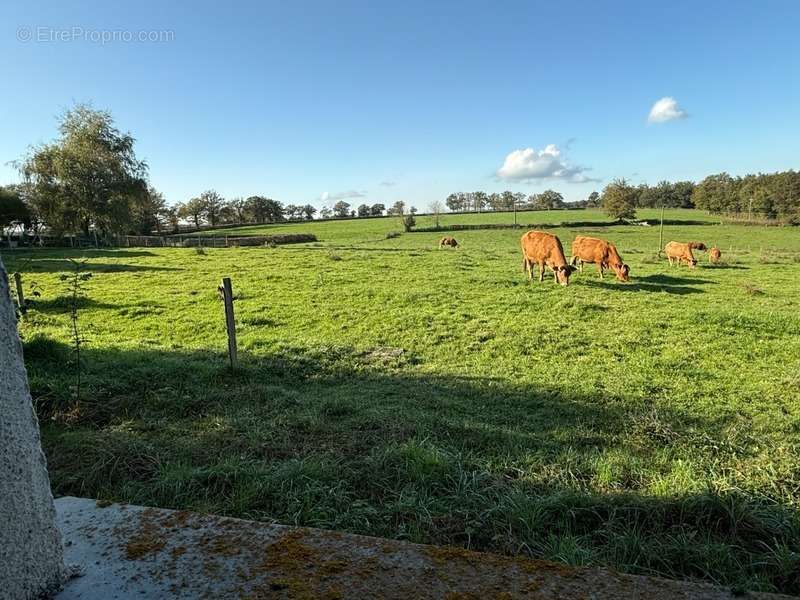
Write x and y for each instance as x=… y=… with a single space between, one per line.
x=600 y=252
x=678 y=252
x=714 y=255
x=448 y=242
x=545 y=250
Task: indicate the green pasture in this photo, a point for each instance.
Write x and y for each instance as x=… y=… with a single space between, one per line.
x=390 y=388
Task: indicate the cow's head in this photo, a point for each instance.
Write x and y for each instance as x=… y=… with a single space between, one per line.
x=622 y=272
x=563 y=273
x=692 y=263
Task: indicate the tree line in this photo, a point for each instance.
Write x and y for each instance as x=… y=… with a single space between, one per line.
x=673 y=195
x=90 y=179
x=773 y=196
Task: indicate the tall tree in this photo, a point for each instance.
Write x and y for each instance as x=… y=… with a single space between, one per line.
x=363 y=211
x=212 y=205
x=238 y=207
x=12 y=207
x=376 y=210
x=193 y=210
x=308 y=212
x=619 y=200
x=264 y=210
x=341 y=209
x=88 y=177
x=548 y=200
x=398 y=208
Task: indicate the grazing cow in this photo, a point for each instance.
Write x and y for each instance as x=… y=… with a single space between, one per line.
x=697 y=246
x=714 y=255
x=679 y=252
x=600 y=252
x=545 y=250
x=448 y=241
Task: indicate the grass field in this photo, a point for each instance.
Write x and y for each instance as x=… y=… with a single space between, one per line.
x=393 y=389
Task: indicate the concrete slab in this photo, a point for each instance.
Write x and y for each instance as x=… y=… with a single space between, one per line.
x=137 y=552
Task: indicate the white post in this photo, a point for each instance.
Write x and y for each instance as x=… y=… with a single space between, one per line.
x=31 y=556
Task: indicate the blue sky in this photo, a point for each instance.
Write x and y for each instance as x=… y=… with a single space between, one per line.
x=413 y=100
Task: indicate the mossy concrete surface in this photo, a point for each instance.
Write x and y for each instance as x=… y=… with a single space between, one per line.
x=136 y=552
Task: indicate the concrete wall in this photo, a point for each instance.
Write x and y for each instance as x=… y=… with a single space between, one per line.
x=31 y=556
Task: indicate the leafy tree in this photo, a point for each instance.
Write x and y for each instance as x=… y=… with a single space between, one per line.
x=193 y=210
x=619 y=200
x=308 y=212
x=408 y=221
x=480 y=200
x=238 y=208
x=376 y=210
x=88 y=177
x=456 y=202
x=212 y=205
x=593 y=200
x=264 y=210
x=12 y=207
x=363 y=211
x=718 y=193
x=227 y=214
x=341 y=209
x=148 y=212
x=548 y=200
x=326 y=212
x=398 y=208
x=292 y=212
x=171 y=217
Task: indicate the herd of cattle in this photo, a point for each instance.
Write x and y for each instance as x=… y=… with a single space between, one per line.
x=545 y=251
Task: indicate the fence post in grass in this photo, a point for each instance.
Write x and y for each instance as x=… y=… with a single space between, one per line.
x=20 y=294
x=226 y=291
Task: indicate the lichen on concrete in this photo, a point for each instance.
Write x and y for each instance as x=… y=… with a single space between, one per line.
x=31 y=556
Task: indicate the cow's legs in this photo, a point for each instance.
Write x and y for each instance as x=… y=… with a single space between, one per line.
x=541 y=272
x=600 y=269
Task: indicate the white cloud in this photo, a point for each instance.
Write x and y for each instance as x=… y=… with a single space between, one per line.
x=666 y=109
x=325 y=196
x=529 y=164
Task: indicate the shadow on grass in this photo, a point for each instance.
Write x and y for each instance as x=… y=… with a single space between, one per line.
x=33 y=253
x=349 y=439
x=724 y=266
x=651 y=283
x=63 y=304
x=55 y=265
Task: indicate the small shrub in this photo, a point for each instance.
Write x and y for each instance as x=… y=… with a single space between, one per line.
x=200 y=250
x=393 y=234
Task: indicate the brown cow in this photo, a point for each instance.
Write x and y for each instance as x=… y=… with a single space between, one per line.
x=448 y=241
x=545 y=250
x=600 y=252
x=714 y=255
x=679 y=252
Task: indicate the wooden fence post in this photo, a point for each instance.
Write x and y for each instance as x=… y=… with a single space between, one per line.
x=226 y=290
x=20 y=294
